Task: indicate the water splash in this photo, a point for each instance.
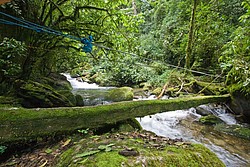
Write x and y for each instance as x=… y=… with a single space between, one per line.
x=221 y=112
x=79 y=84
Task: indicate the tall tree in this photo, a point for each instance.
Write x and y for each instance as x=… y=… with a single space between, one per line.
x=104 y=20
x=191 y=35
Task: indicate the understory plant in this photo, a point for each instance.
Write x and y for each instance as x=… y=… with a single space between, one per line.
x=235 y=59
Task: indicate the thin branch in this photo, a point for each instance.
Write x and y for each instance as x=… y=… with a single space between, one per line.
x=57 y=7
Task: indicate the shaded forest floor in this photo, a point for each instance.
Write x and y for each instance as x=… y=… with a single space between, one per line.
x=134 y=148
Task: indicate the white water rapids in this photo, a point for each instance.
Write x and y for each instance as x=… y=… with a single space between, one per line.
x=183 y=124
x=234 y=152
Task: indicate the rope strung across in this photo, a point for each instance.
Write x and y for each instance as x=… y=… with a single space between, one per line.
x=87 y=42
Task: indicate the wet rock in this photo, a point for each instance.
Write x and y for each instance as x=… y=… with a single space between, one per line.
x=36 y=94
x=129 y=152
x=121 y=94
x=210 y=120
x=202 y=111
x=79 y=100
x=241 y=105
x=235 y=130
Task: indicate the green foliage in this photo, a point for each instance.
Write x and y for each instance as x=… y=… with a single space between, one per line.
x=235 y=59
x=84 y=131
x=123 y=72
x=212 y=30
x=164 y=33
x=2 y=149
x=109 y=22
x=12 y=53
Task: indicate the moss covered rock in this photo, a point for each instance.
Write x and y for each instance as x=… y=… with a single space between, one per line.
x=135 y=149
x=9 y=101
x=209 y=88
x=79 y=100
x=121 y=94
x=210 y=120
x=35 y=94
x=235 y=130
x=157 y=91
x=56 y=81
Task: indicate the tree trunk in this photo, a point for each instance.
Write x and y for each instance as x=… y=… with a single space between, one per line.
x=134 y=7
x=190 y=36
x=23 y=124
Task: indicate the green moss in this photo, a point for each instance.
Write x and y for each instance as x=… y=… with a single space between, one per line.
x=30 y=123
x=121 y=94
x=35 y=94
x=210 y=120
x=9 y=101
x=171 y=155
x=212 y=88
x=66 y=156
x=235 y=130
x=110 y=159
x=157 y=91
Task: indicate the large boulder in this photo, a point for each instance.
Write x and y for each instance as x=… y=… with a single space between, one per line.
x=240 y=104
x=56 y=81
x=121 y=94
x=35 y=94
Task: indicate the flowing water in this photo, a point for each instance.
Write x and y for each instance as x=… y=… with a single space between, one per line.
x=92 y=94
x=233 y=151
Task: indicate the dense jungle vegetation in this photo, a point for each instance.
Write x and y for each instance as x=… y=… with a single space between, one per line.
x=136 y=41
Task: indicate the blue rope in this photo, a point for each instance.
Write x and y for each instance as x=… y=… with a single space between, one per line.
x=87 y=42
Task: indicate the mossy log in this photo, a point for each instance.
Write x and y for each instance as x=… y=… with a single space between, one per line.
x=21 y=124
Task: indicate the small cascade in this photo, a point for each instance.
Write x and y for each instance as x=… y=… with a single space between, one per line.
x=79 y=84
x=184 y=124
x=92 y=93
x=221 y=112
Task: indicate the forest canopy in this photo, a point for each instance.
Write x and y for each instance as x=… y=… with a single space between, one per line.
x=135 y=40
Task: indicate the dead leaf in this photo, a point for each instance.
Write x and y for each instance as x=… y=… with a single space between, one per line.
x=179 y=143
x=44 y=163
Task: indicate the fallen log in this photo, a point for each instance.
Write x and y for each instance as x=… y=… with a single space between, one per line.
x=21 y=124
